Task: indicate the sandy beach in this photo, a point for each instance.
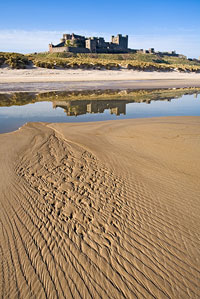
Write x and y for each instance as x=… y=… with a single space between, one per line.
x=40 y=80
x=101 y=210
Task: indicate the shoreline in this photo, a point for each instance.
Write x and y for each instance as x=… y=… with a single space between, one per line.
x=41 y=80
x=41 y=87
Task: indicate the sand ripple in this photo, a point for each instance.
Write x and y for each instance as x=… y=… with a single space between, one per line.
x=76 y=223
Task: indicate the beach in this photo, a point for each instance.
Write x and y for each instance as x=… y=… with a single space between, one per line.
x=41 y=80
x=101 y=209
x=100 y=150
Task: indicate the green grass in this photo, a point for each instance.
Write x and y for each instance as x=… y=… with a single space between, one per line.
x=14 y=60
x=119 y=57
x=135 y=61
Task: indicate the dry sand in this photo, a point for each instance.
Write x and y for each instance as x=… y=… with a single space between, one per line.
x=53 y=75
x=101 y=210
x=38 y=79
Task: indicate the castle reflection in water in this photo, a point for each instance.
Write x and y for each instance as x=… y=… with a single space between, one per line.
x=117 y=107
x=75 y=108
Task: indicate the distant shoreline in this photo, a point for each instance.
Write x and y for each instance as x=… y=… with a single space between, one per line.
x=41 y=80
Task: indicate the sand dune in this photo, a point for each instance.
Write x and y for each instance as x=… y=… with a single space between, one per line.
x=101 y=210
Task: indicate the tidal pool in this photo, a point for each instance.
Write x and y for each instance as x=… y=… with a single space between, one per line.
x=15 y=110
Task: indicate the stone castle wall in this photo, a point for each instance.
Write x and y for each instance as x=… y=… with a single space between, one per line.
x=68 y=49
x=118 y=44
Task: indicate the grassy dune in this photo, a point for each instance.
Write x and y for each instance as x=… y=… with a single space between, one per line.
x=14 y=60
x=137 y=61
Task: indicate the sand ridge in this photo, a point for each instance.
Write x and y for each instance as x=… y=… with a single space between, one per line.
x=101 y=210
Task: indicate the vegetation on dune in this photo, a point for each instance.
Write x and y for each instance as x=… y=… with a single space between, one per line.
x=74 y=62
x=14 y=60
x=137 y=61
x=132 y=61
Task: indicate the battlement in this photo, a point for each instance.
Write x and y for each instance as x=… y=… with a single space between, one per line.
x=81 y=44
x=120 y=40
x=119 y=44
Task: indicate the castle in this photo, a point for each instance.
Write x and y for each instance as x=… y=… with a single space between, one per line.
x=119 y=44
x=81 y=44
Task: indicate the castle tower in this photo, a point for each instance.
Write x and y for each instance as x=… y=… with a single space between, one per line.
x=50 y=47
x=91 y=44
x=120 y=40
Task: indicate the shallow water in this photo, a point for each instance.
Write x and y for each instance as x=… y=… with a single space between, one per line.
x=13 y=117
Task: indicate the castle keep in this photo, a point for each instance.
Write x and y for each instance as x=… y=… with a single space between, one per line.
x=81 y=44
x=119 y=44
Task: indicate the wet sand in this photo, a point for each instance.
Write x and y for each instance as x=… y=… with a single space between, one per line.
x=101 y=210
x=41 y=80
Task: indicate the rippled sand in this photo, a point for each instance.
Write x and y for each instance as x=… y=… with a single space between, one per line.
x=101 y=210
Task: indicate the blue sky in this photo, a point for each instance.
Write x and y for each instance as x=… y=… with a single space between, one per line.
x=28 y=26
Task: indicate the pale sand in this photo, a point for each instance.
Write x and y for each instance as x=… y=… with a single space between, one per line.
x=53 y=75
x=38 y=79
x=101 y=210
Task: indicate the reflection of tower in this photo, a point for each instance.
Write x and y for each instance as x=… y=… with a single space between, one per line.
x=96 y=107
x=114 y=111
x=119 y=108
x=148 y=101
x=196 y=95
x=89 y=108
